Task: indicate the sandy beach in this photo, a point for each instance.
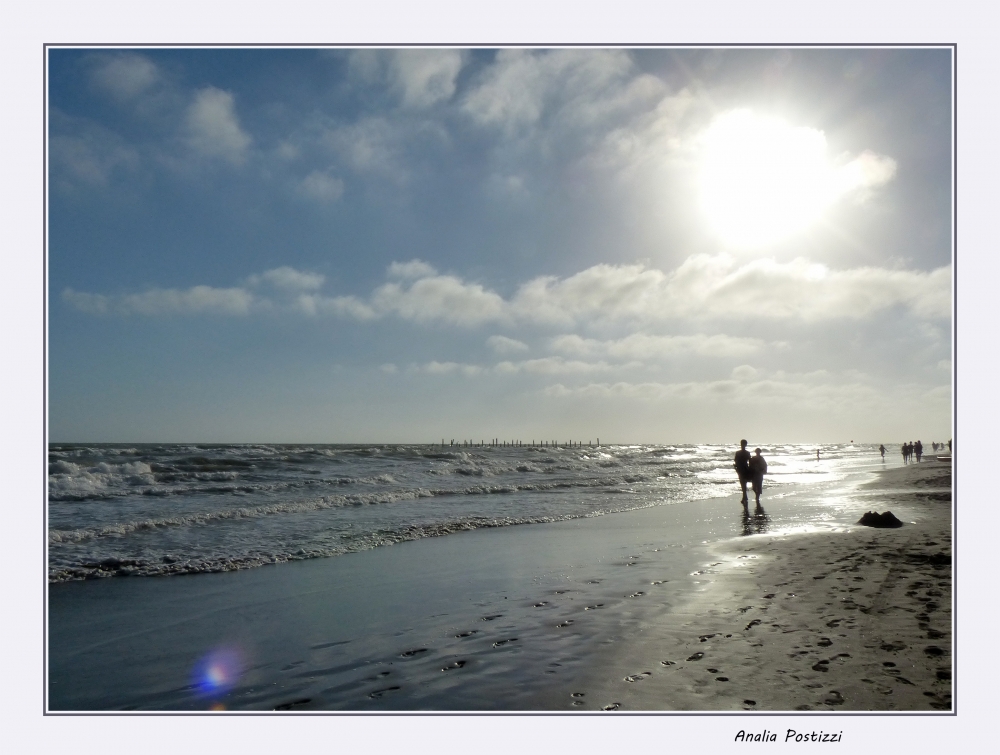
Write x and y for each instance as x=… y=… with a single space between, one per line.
x=857 y=619
x=674 y=608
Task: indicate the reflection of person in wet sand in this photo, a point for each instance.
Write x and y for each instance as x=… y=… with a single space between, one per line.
x=756 y=524
x=758 y=468
x=741 y=463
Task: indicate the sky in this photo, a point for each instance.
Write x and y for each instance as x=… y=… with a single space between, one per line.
x=405 y=245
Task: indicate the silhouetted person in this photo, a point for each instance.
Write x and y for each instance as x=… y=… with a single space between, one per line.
x=741 y=462
x=758 y=468
x=817 y=454
x=881 y=450
x=949 y=445
x=918 y=449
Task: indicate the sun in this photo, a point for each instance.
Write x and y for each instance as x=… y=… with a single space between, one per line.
x=762 y=180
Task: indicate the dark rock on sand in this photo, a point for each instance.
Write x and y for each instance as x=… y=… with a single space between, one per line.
x=874 y=519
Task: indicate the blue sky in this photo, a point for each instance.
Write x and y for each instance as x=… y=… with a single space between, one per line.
x=403 y=245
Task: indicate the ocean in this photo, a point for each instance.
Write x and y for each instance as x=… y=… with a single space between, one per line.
x=160 y=509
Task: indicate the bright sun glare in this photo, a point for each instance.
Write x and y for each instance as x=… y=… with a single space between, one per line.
x=763 y=179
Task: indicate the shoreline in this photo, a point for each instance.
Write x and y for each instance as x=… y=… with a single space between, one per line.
x=552 y=617
x=855 y=620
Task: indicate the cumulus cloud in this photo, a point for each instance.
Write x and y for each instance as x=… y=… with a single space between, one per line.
x=443 y=298
x=577 y=88
x=545 y=366
x=505 y=345
x=213 y=127
x=425 y=77
x=417 y=78
x=288 y=279
x=645 y=347
x=169 y=301
x=124 y=76
x=816 y=395
x=702 y=288
x=411 y=270
x=322 y=187
x=715 y=286
x=90 y=157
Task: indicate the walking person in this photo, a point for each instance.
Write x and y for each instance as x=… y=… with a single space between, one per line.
x=758 y=468
x=741 y=462
x=881 y=450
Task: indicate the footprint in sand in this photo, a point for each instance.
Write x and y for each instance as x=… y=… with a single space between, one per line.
x=668 y=663
x=722 y=678
x=744 y=609
x=821 y=666
x=411 y=653
x=769 y=596
x=379 y=692
x=824 y=642
x=712 y=670
x=613 y=706
x=539 y=605
x=834 y=698
x=289 y=706
x=749 y=702
x=933 y=650
x=893 y=647
x=456 y=664
x=577 y=694
x=490 y=618
x=636 y=594
x=565 y=623
x=696 y=657
x=594 y=607
x=468 y=634
x=752 y=624
x=638 y=677
x=500 y=643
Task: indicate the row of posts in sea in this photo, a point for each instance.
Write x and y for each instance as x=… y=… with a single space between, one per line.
x=497 y=443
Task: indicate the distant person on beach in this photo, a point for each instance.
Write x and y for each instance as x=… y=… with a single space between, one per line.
x=918 y=449
x=817 y=454
x=758 y=468
x=903 y=449
x=741 y=462
x=881 y=450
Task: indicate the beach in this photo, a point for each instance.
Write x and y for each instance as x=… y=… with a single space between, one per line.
x=681 y=607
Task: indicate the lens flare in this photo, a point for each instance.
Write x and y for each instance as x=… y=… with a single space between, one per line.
x=218 y=671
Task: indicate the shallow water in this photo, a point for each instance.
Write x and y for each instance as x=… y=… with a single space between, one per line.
x=489 y=619
x=147 y=510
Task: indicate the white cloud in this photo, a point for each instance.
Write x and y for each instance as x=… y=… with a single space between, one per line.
x=505 y=345
x=169 y=301
x=702 y=288
x=443 y=298
x=369 y=146
x=646 y=347
x=389 y=368
x=741 y=392
x=288 y=279
x=91 y=157
x=554 y=366
x=213 y=127
x=447 y=368
x=322 y=187
x=705 y=287
x=578 y=88
x=125 y=76
x=411 y=270
x=425 y=77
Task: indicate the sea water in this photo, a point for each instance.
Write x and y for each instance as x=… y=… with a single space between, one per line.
x=159 y=509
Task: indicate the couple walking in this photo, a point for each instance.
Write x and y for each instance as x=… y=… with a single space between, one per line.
x=750 y=469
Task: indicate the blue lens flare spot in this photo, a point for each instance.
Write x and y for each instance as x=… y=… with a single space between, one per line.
x=218 y=671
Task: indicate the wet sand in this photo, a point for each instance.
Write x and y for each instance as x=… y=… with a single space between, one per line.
x=674 y=608
x=843 y=620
